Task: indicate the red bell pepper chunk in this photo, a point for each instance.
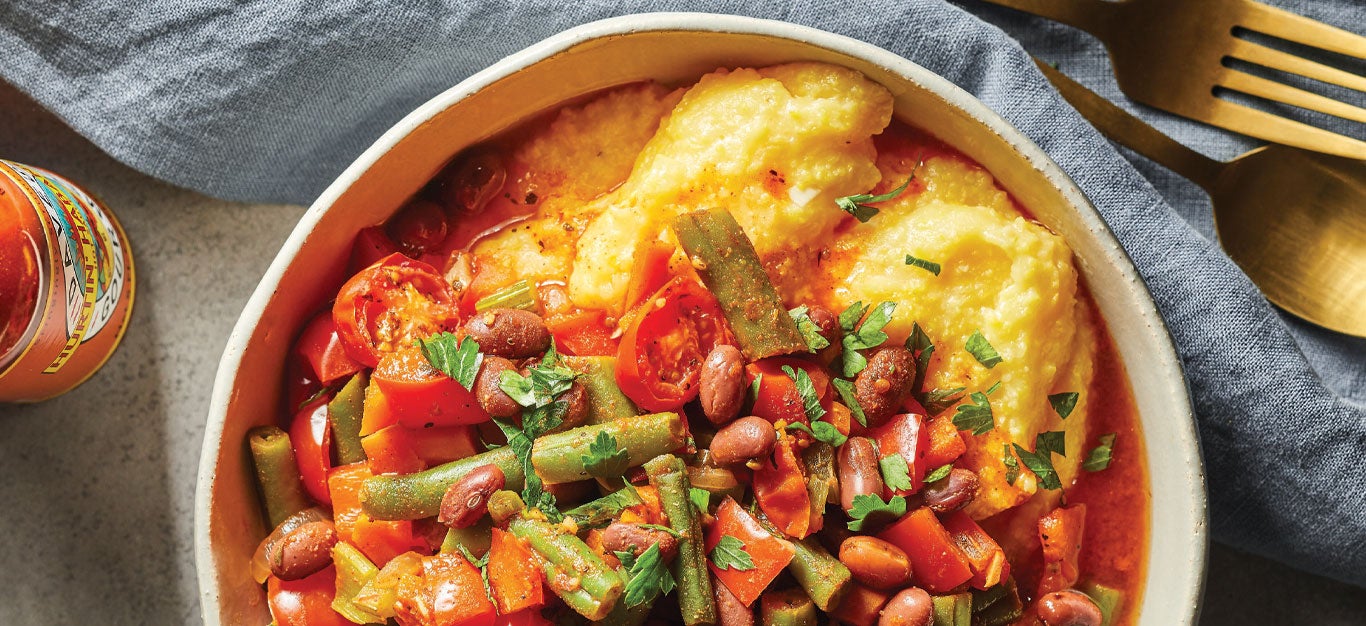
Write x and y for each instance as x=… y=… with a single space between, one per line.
x=376 y=414
x=780 y=489
x=514 y=574
x=457 y=592
x=1061 y=532
x=985 y=556
x=770 y=554
x=310 y=434
x=422 y=396
x=320 y=346
x=305 y=602
x=860 y=606
x=906 y=434
x=778 y=398
x=379 y=540
x=937 y=562
x=946 y=442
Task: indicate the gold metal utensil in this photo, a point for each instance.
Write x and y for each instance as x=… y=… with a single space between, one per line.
x=1295 y=221
x=1171 y=54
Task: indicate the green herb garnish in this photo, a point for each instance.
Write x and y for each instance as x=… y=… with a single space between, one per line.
x=1064 y=403
x=857 y=204
x=850 y=398
x=455 y=358
x=976 y=416
x=1012 y=465
x=604 y=458
x=730 y=553
x=1041 y=460
x=939 y=473
x=981 y=350
x=870 y=509
x=1099 y=458
x=811 y=401
x=810 y=331
x=649 y=576
x=939 y=400
x=863 y=337
x=929 y=266
x=821 y=431
x=895 y=472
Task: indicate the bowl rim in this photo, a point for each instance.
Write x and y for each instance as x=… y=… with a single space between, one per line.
x=1173 y=377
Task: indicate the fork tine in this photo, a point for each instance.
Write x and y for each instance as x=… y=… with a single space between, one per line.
x=1299 y=29
x=1271 y=90
x=1274 y=128
x=1284 y=61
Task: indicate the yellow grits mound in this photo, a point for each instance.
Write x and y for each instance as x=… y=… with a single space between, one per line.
x=776 y=147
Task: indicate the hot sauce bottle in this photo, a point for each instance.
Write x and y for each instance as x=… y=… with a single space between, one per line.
x=66 y=284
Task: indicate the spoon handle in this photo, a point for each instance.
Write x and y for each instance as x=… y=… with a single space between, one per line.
x=1124 y=128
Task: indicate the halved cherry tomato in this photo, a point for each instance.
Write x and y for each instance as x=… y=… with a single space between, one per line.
x=514 y=574
x=389 y=304
x=905 y=434
x=937 y=563
x=577 y=332
x=770 y=554
x=320 y=346
x=371 y=245
x=310 y=434
x=780 y=489
x=985 y=556
x=379 y=540
x=301 y=385
x=421 y=395
x=305 y=602
x=417 y=227
x=778 y=398
x=669 y=336
x=1061 y=532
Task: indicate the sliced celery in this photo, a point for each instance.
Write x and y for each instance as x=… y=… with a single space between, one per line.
x=953 y=610
x=353 y=572
x=476 y=539
x=518 y=295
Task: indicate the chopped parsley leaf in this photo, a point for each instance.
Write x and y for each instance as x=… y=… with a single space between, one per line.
x=1064 y=403
x=543 y=383
x=649 y=576
x=1012 y=465
x=455 y=358
x=850 y=398
x=870 y=509
x=929 y=266
x=867 y=335
x=976 y=416
x=895 y=472
x=701 y=498
x=919 y=344
x=821 y=431
x=604 y=458
x=1041 y=460
x=992 y=389
x=939 y=473
x=730 y=553
x=981 y=350
x=1099 y=458
x=857 y=204
x=811 y=401
x=535 y=422
x=662 y=529
x=810 y=331
x=939 y=400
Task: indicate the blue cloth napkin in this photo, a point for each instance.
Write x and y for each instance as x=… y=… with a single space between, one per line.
x=268 y=100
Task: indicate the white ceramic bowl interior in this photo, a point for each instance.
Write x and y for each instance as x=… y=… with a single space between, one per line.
x=674 y=48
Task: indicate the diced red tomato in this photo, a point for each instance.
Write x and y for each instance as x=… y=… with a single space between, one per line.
x=770 y=554
x=389 y=304
x=371 y=246
x=379 y=540
x=905 y=434
x=937 y=563
x=780 y=489
x=860 y=606
x=514 y=574
x=1061 y=532
x=421 y=395
x=666 y=341
x=946 y=442
x=778 y=398
x=320 y=346
x=305 y=602
x=310 y=434
x=985 y=556
x=583 y=333
x=450 y=593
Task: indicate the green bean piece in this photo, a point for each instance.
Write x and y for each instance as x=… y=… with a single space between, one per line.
x=695 y=600
x=789 y=607
x=476 y=538
x=1107 y=599
x=728 y=265
x=504 y=505
x=953 y=610
x=606 y=402
x=415 y=496
x=623 y=615
x=823 y=577
x=820 y=469
x=559 y=458
x=353 y=571
x=277 y=474
x=345 y=412
x=566 y=557
x=601 y=511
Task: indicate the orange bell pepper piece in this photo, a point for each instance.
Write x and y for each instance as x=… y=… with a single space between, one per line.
x=860 y=606
x=514 y=574
x=770 y=554
x=985 y=556
x=1061 y=532
x=780 y=489
x=937 y=562
x=946 y=443
x=379 y=540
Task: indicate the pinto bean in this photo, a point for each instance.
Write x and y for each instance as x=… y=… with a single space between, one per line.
x=492 y=397
x=743 y=439
x=467 y=499
x=510 y=333
x=624 y=537
x=875 y=562
x=730 y=611
x=884 y=384
x=911 y=607
x=302 y=552
x=1069 y=608
x=722 y=384
x=825 y=320
x=954 y=492
x=858 y=470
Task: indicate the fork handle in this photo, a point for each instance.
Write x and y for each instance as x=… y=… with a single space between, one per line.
x=1093 y=16
x=1123 y=127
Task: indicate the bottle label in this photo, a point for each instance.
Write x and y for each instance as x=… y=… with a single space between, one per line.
x=91 y=254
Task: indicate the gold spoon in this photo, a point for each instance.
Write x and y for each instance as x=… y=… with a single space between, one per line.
x=1294 y=220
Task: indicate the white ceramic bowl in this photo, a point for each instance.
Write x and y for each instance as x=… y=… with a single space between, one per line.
x=675 y=47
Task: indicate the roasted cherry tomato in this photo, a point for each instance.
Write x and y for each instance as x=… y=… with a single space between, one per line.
x=311 y=436
x=669 y=336
x=320 y=346
x=577 y=332
x=389 y=304
x=305 y=602
x=420 y=395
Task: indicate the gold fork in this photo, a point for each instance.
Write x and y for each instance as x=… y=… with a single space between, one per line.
x=1170 y=54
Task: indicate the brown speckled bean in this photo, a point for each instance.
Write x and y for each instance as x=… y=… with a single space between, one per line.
x=884 y=384
x=624 y=537
x=858 y=470
x=875 y=562
x=827 y=321
x=467 y=499
x=509 y=333
x=743 y=439
x=1069 y=608
x=722 y=384
x=302 y=552
x=911 y=607
x=492 y=397
x=730 y=611
x=953 y=492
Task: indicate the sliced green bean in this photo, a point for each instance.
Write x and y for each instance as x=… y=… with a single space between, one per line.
x=623 y=615
x=695 y=600
x=415 y=496
x=819 y=573
x=789 y=607
x=566 y=557
x=601 y=511
x=820 y=469
x=277 y=475
x=606 y=402
x=727 y=263
x=476 y=538
x=559 y=458
x=345 y=412
x=953 y=610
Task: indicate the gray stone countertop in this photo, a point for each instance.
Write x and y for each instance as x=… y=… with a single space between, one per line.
x=96 y=500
